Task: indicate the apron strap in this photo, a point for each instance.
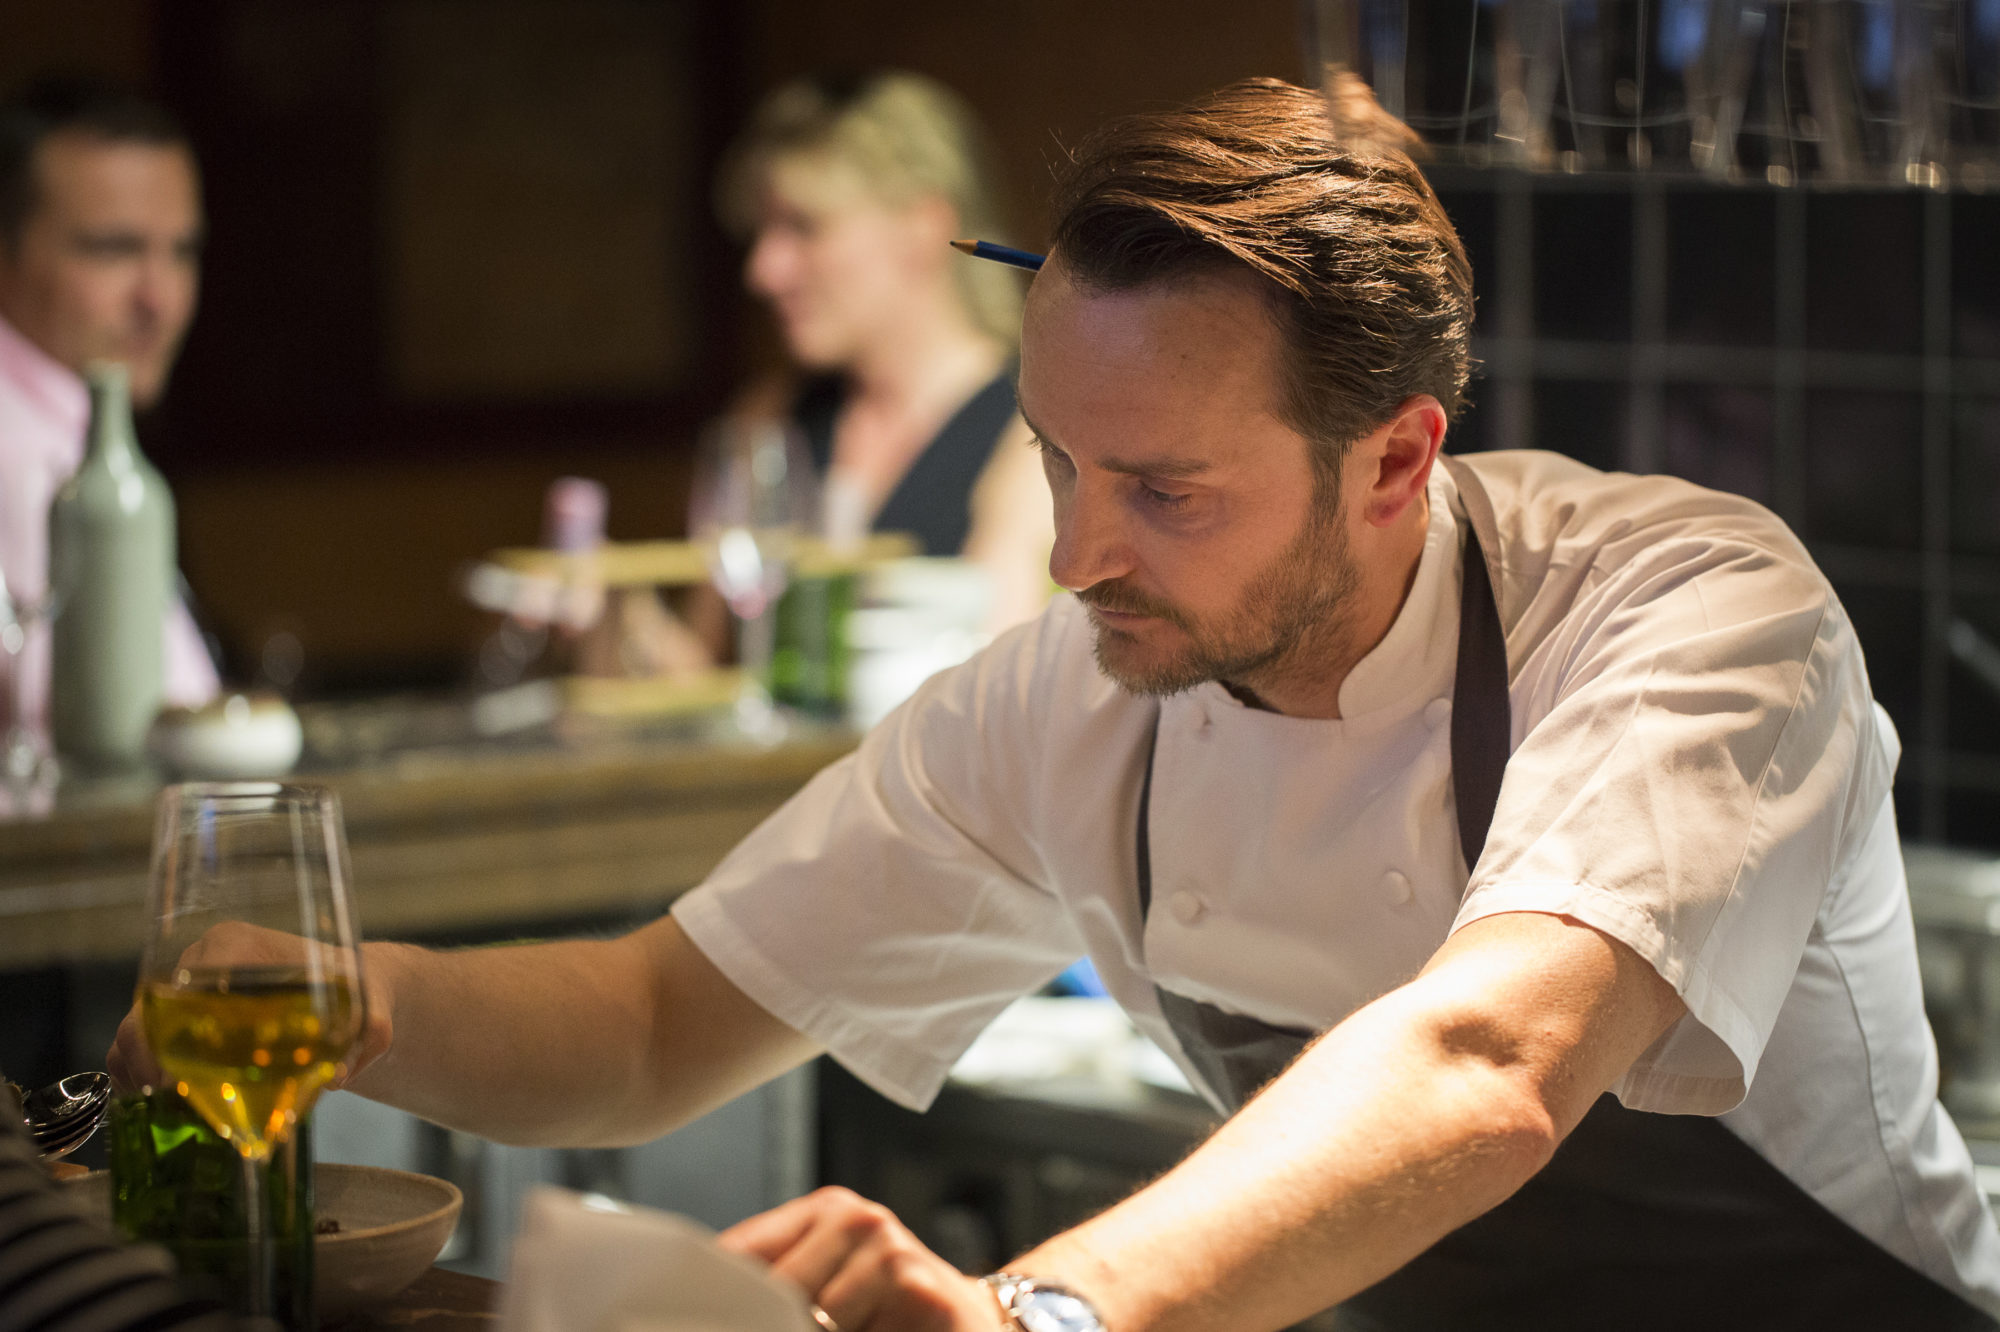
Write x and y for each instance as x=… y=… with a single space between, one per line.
x=1481 y=719
x=1481 y=724
x=1145 y=819
x=1236 y=1054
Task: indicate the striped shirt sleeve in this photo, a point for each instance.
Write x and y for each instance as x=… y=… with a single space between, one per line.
x=60 y=1272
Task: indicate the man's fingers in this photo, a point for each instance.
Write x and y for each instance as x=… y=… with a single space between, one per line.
x=897 y=1285
x=854 y=1259
x=811 y=1239
x=863 y=1286
x=839 y=1232
x=236 y=944
x=114 y=1064
x=376 y=1036
x=130 y=1060
x=768 y=1235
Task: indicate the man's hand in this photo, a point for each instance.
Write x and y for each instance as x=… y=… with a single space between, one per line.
x=858 y=1263
x=235 y=944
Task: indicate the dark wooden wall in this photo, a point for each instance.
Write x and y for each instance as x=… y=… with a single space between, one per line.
x=460 y=247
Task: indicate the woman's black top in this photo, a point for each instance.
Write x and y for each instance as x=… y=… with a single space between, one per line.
x=933 y=501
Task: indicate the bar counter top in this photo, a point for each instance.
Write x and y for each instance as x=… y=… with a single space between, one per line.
x=448 y=839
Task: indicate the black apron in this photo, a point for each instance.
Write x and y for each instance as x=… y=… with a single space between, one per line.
x=1640 y=1221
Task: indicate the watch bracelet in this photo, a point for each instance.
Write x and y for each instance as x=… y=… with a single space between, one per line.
x=1007 y=1287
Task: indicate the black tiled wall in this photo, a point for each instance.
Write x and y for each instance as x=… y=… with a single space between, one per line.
x=1832 y=354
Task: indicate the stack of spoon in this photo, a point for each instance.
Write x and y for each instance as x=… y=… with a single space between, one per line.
x=62 y=1116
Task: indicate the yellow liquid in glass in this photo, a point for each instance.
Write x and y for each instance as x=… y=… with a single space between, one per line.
x=251 y=1049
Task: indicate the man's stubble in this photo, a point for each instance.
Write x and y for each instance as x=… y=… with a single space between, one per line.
x=1294 y=608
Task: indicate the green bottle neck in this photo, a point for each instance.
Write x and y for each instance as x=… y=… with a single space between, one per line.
x=112 y=441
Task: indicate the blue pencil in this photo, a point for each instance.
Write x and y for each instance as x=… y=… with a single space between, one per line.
x=999 y=254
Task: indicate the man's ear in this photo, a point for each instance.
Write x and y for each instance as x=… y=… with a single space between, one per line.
x=1398 y=456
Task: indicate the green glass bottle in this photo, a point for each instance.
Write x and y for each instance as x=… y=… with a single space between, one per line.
x=809 y=660
x=175 y=1183
x=111 y=563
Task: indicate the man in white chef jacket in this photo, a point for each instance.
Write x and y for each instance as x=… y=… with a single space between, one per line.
x=1613 y=1023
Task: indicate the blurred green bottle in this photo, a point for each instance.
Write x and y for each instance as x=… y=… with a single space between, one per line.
x=809 y=658
x=111 y=563
x=175 y=1183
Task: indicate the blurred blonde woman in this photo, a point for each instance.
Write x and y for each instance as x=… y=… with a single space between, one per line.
x=848 y=192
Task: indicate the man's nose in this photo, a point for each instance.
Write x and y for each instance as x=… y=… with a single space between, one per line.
x=1091 y=542
x=767 y=266
x=158 y=289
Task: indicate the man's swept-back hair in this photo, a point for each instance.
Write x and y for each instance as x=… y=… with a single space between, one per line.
x=1368 y=282
x=68 y=105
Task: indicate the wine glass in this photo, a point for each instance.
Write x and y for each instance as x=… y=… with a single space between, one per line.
x=27 y=767
x=754 y=496
x=249 y=987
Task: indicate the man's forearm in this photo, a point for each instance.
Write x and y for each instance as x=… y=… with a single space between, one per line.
x=577 y=1043
x=1362 y=1155
x=1420 y=1112
x=528 y=1044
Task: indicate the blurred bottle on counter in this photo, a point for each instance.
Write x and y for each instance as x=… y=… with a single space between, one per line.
x=111 y=552
x=608 y=632
x=809 y=658
x=176 y=1183
x=573 y=517
x=574 y=624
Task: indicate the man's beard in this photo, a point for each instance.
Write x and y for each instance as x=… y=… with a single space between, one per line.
x=1303 y=594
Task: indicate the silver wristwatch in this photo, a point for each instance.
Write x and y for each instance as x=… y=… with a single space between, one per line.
x=1034 y=1305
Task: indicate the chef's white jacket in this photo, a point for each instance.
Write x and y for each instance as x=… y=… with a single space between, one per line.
x=1699 y=771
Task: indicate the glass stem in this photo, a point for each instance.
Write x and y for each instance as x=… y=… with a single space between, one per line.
x=258 y=1270
x=756 y=636
x=22 y=754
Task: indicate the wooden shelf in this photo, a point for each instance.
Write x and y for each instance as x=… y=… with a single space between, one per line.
x=685 y=564
x=475 y=838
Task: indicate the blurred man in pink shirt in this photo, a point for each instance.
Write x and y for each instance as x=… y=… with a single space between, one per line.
x=100 y=248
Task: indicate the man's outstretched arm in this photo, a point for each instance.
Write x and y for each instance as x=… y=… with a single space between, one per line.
x=578 y=1043
x=1421 y=1111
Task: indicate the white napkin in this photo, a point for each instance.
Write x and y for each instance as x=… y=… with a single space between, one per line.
x=583 y=1263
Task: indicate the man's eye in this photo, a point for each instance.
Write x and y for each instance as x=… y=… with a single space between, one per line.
x=1164 y=499
x=111 y=247
x=1051 y=455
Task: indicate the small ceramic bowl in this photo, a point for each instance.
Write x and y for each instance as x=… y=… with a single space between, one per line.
x=393 y=1225
x=236 y=737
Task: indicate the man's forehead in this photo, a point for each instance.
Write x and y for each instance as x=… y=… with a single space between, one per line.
x=1224 y=301
x=1204 y=346
x=89 y=179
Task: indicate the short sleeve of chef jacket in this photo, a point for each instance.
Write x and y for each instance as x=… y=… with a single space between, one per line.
x=1697 y=757
x=894 y=906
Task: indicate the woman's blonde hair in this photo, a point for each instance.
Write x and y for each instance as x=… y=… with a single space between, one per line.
x=907 y=137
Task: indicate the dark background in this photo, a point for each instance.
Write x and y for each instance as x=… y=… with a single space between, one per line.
x=460 y=247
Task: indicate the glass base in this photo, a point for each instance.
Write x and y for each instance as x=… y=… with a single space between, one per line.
x=757 y=718
x=28 y=777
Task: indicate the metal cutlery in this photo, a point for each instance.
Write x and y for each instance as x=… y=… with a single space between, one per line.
x=62 y=1116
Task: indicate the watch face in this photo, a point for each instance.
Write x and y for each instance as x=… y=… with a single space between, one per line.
x=1054 y=1311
